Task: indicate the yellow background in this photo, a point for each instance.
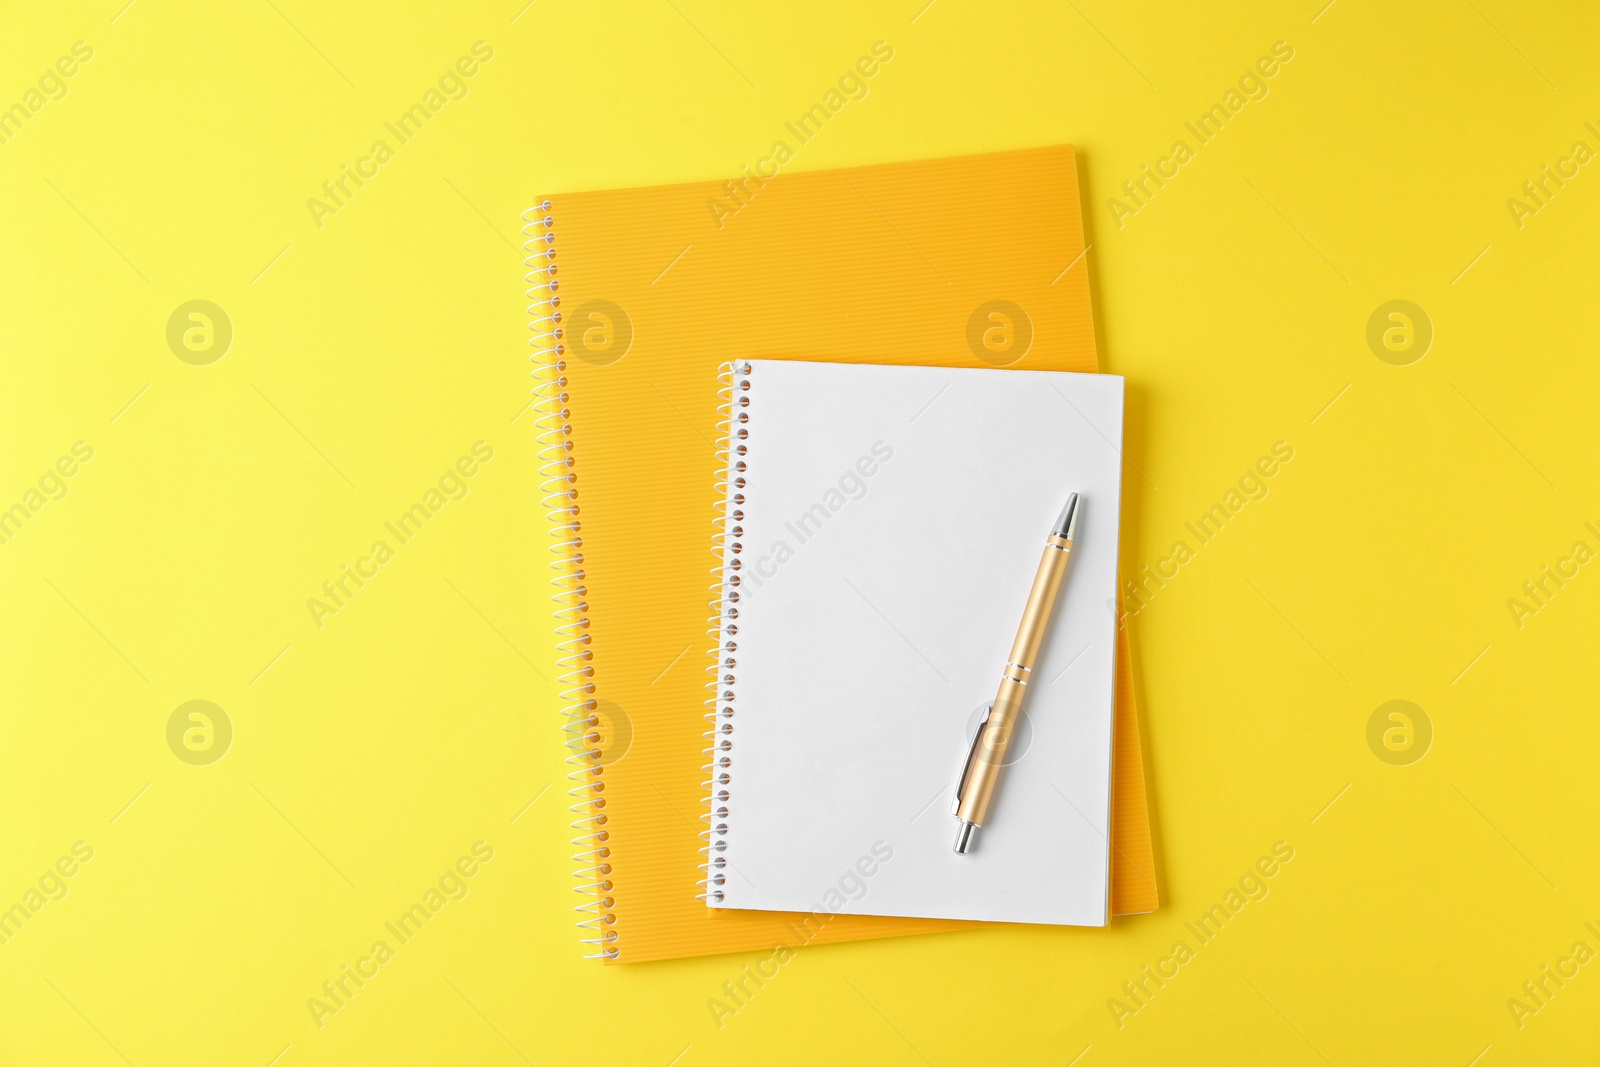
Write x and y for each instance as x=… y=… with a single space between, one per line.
x=370 y=353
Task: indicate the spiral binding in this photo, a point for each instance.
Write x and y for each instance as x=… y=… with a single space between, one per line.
x=558 y=483
x=733 y=433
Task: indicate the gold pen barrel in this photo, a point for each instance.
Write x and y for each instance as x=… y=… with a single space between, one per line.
x=1041 y=599
x=994 y=737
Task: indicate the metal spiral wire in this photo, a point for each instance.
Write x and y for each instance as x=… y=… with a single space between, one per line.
x=558 y=485
x=733 y=417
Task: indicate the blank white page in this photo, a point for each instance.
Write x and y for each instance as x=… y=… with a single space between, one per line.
x=892 y=522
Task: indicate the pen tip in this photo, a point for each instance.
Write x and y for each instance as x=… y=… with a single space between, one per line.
x=1067 y=525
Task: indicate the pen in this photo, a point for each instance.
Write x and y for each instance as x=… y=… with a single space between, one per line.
x=987 y=755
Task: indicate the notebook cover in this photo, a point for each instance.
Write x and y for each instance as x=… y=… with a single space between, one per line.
x=975 y=261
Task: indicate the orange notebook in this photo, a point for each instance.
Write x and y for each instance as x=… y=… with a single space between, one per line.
x=635 y=298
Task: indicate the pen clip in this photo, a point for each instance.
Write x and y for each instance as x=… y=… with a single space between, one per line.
x=972 y=754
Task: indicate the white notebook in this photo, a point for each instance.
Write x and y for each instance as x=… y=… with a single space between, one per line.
x=883 y=527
